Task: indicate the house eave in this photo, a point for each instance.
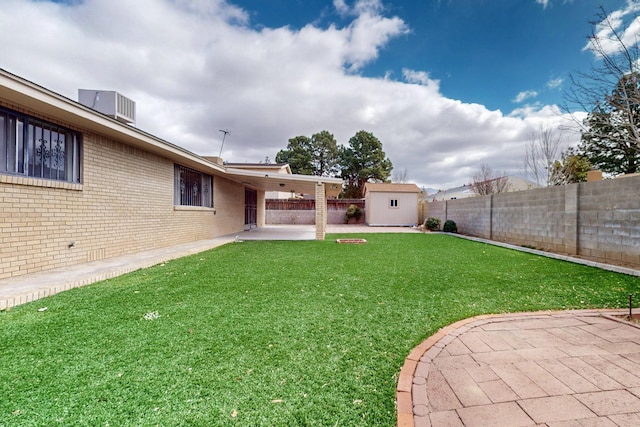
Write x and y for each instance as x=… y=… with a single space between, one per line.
x=30 y=96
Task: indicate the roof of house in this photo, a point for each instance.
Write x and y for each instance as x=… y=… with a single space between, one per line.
x=514 y=183
x=388 y=187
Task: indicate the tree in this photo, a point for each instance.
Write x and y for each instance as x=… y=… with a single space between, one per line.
x=298 y=155
x=541 y=152
x=610 y=94
x=571 y=168
x=486 y=183
x=361 y=162
x=325 y=155
x=317 y=155
x=400 y=176
x=609 y=140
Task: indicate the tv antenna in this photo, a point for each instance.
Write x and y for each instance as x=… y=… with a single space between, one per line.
x=225 y=132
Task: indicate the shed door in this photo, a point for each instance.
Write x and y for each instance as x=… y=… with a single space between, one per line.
x=250 y=209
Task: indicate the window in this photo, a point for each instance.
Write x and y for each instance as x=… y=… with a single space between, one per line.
x=393 y=203
x=192 y=188
x=38 y=149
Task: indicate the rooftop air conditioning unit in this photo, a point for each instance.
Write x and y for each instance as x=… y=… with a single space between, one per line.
x=109 y=102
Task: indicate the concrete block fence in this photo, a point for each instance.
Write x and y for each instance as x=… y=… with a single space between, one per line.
x=599 y=221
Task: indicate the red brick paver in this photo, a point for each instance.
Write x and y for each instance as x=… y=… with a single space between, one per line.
x=555 y=369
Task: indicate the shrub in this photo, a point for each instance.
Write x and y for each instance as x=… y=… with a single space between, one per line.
x=353 y=211
x=432 y=223
x=450 y=226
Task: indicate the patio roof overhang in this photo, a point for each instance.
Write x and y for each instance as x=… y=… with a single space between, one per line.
x=284 y=182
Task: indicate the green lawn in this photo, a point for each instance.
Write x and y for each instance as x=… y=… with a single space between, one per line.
x=267 y=333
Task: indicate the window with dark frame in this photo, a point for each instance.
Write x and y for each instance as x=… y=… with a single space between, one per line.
x=192 y=188
x=393 y=203
x=38 y=149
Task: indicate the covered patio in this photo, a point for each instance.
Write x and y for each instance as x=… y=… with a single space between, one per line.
x=319 y=186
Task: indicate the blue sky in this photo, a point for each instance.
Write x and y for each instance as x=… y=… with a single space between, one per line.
x=446 y=85
x=481 y=51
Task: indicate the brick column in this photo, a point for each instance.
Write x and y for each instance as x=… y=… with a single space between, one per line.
x=321 y=211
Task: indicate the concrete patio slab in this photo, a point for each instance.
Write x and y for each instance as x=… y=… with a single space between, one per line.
x=550 y=383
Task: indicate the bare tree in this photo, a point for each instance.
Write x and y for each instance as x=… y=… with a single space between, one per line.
x=609 y=92
x=485 y=182
x=400 y=176
x=541 y=152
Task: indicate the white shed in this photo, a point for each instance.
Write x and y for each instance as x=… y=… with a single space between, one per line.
x=391 y=204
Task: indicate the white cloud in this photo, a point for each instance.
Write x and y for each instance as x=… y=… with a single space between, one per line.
x=196 y=66
x=522 y=96
x=419 y=77
x=341 y=7
x=368 y=6
x=555 y=83
x=544 y=3
x=627 y=30
x=360 y=7
x=367 y=34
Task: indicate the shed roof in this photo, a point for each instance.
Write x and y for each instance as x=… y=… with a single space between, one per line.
x=371 y=187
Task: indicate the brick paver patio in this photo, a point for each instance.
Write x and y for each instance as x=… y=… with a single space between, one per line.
x=555 y=369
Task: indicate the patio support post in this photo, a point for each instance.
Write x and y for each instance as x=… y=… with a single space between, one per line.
x=321 y=211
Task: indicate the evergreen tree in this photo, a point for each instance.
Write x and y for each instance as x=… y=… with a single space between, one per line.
x=325 y=156
x=611 y=138
x=298 y=155
x=361 y=162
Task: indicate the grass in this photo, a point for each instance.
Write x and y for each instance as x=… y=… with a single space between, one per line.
x=267 y=333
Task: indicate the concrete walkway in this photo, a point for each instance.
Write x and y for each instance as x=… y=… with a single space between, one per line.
x=555 y=369
x=22 y=289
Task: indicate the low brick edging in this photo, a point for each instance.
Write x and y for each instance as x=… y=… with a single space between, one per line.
x=404 y=390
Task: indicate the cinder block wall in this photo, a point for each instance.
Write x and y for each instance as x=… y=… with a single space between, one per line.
x=437 y=210
x=609 y=220
x=124 y=206
x=596 y=220
x=534 y=217
x=474 y=215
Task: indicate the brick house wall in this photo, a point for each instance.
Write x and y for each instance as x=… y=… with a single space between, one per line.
x=124 y=205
